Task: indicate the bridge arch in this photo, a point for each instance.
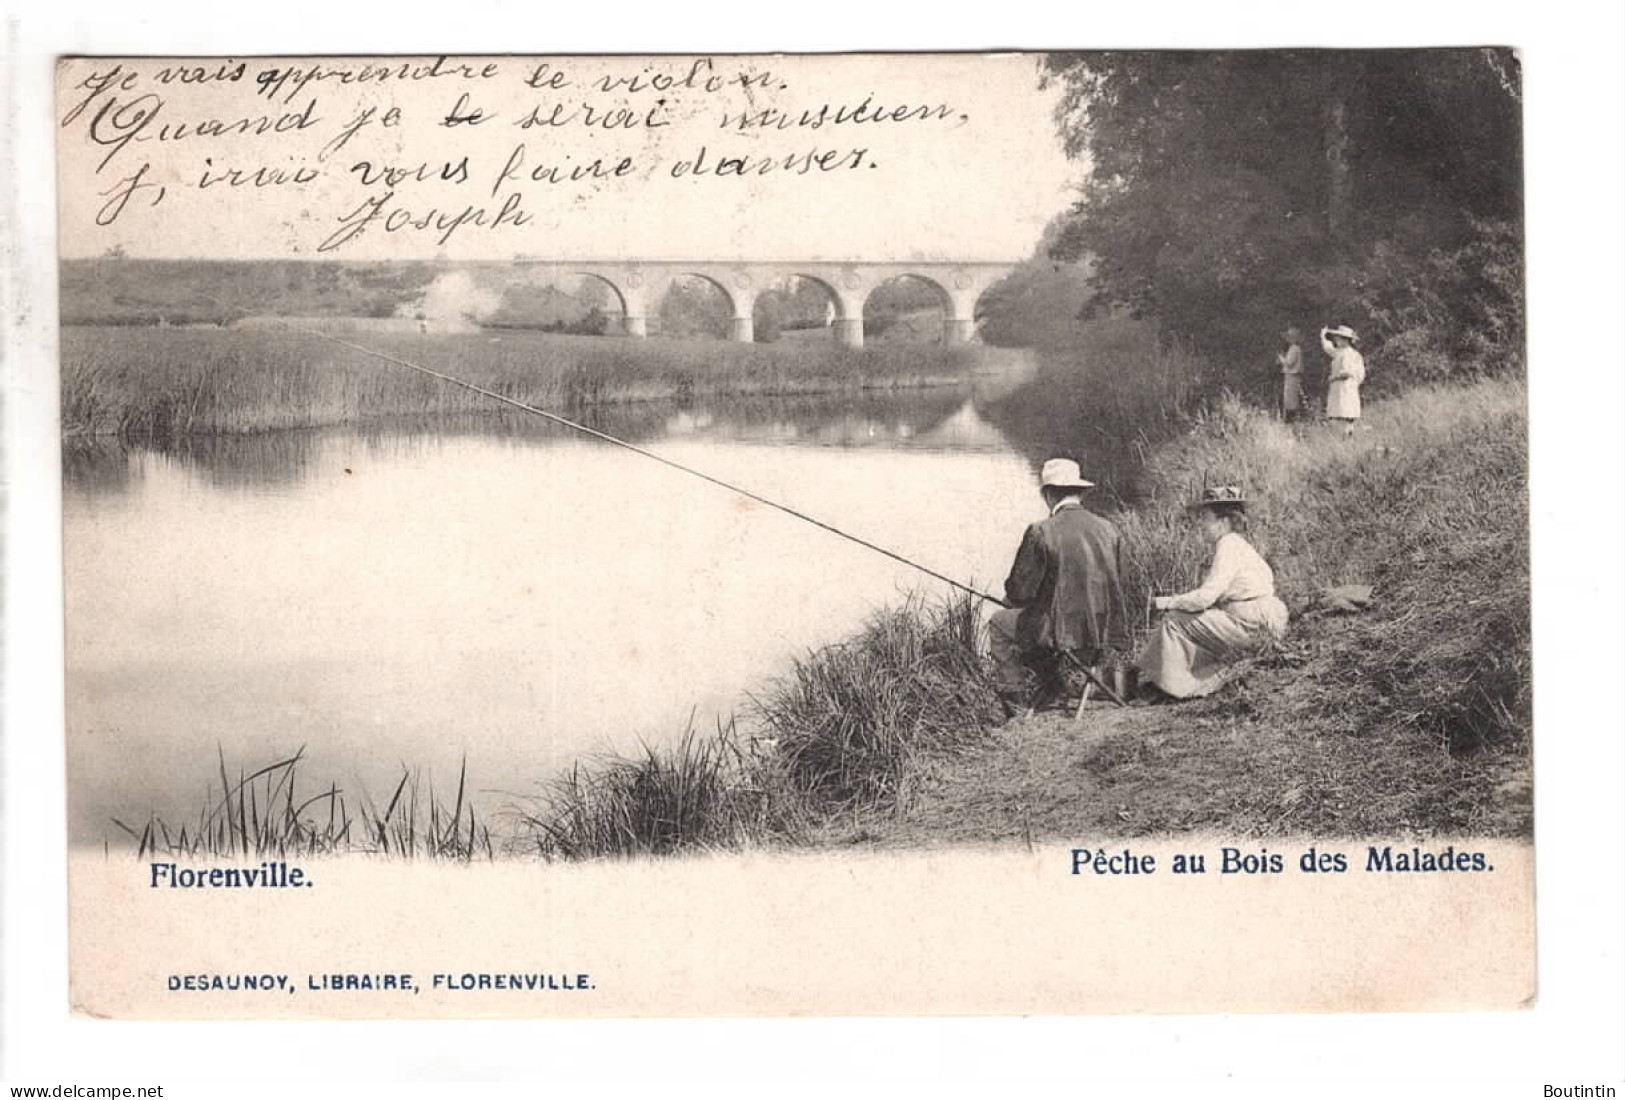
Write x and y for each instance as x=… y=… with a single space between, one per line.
x=682 y=282
x=845 y=291
x=847 y=283
x=894 y=302
x=963 y=288
x=600 y=279
x=835 y=298
x=830 y=311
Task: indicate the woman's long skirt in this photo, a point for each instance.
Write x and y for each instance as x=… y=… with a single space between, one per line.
x=1193 y=653
x=1291 y=394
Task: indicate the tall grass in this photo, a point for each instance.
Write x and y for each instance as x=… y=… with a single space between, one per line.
x=699 y=793
x=851 y=722
x=262 y=814
x=847 y=728
x=1427 y=505
x=162 y=383
x=418 y=823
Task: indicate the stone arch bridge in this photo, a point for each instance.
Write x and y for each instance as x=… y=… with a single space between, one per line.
x=639 y=283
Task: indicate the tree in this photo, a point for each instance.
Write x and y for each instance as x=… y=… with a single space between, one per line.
x=1039 y=304
x=1233 y=192
x=694 y=307
x=898 y=299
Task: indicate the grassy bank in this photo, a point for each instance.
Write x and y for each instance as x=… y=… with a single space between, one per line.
x=163 y=383
x=1413 y=715
x=851 y=723
x=1409 y=718
x=701 y=793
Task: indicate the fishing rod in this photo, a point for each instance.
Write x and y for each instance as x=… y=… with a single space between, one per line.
x=635 y=449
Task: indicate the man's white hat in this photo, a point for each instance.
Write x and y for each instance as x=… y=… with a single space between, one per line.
x=1345 y=332
x=1063 y=473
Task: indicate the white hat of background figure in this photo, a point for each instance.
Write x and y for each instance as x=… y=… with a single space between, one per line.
x=1062 y=473
x=1345 y=332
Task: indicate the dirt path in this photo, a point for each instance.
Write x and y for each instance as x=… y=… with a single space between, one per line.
x=1031 y=781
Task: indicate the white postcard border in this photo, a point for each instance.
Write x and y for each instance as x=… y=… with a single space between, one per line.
x=1573 y=82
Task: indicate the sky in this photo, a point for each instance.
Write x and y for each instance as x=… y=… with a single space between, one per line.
x=861 y=157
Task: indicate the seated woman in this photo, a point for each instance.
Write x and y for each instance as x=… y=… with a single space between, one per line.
x=1232 y=615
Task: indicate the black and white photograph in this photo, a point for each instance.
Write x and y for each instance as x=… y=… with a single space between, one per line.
x=532 y=462
x=993 y=533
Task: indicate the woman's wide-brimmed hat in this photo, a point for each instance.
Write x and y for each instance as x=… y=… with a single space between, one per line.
x=1221 y=496
x=1063 y=473
x=1344 y=331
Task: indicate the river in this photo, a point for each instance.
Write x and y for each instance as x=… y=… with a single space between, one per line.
x=413 y=594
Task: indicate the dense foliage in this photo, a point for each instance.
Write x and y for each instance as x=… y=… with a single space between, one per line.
x=1230 y=194
x=1042 y=303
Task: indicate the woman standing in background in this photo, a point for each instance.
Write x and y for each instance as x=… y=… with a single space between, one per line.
x=1290 y=361
x=1343 y=376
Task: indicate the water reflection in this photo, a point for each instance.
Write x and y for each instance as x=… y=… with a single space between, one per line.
x=1051 y=414
x=1035 y=411
x=248 y=463
x=96 y=468
x=867 y=420
x=943 y=418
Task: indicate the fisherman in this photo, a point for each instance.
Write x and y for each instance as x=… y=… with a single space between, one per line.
x=1063 y=595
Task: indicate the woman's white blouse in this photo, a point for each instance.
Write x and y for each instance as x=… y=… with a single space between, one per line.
x=1238 y=572
x=1347 y=364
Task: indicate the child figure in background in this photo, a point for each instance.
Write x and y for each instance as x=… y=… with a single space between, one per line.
x=1343 y=376
x=1291 y=363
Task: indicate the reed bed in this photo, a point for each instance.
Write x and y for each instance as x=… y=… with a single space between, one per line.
x=149 y=383
x=263 y=814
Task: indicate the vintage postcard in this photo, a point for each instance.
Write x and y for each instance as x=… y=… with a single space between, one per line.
x=705 y=535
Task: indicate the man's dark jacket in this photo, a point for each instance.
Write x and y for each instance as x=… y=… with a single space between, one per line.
x=1066 y=581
